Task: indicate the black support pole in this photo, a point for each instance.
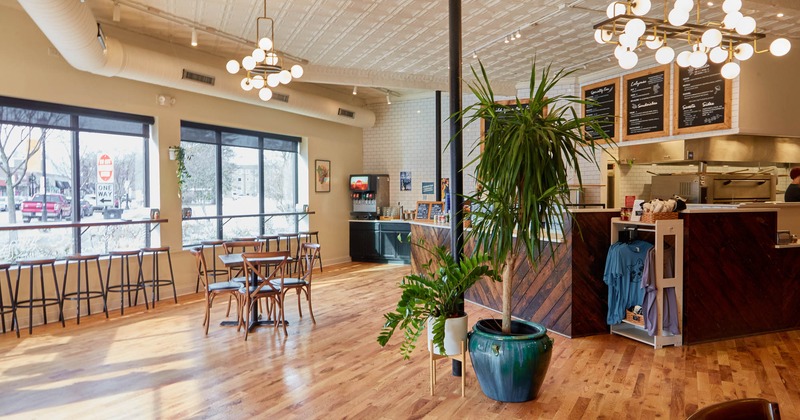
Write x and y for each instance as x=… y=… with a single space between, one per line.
x=438 y=165
x=456 y=140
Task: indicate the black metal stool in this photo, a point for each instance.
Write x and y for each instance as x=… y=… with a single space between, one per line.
x=155 y=281
x=267 y=239
x=11 y=308
x=306 y=235
x=87 y=294
x=125 y=285
x=42 y=301
x=212 y=272
x=294 y=254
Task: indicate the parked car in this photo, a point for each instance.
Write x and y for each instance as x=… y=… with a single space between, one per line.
x=87 y=208
x=58 y=207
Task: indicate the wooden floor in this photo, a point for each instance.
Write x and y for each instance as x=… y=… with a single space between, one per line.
x=159 y=364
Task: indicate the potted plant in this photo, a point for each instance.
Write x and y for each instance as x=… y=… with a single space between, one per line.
x=433 y=298
x=521 y=176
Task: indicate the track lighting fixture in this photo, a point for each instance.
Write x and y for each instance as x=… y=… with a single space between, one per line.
x=194 y=37
x=355 y=90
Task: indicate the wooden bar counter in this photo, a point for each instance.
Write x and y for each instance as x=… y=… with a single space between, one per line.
x=566 y=294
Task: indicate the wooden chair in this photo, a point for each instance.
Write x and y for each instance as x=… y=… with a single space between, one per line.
x=746 y=408
x=259 y=286
x=309 y=254
x=240 y=247
x=214 y=289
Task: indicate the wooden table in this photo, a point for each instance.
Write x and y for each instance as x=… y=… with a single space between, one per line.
x=236 y=260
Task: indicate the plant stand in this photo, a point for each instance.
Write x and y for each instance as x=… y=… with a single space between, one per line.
x=460 y=357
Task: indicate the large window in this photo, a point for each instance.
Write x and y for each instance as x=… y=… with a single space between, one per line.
x=61 y=164
x=236 y=179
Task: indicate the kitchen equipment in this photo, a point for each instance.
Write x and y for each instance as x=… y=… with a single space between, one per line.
x=784 y=237
x=368 y=192
x=712 y=188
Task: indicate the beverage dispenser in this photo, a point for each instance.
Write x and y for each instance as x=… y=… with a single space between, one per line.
x=369 y=193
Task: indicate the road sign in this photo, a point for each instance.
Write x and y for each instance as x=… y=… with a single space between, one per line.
x=105 y=168
x=105 y=194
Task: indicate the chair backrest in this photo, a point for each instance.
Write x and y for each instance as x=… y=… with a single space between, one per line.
x=238 y=247
x=255 y=267
x=746 y=408
x=202 y=272
x=309 y=254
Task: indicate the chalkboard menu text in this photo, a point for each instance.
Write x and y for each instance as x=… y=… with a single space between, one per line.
x=437 y=209
x=703 y=99
x=646 y=98
x=605 y=95
x=423 y=207
x=508 y=103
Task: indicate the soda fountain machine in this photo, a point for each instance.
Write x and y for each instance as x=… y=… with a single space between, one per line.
x=369 y=193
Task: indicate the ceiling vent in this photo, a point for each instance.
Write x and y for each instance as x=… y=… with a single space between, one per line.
x=345 y=113
x=209 y=80
x=280 y=97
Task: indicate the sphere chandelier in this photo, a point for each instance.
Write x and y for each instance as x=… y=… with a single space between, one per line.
x=719 y=42
x=263 y=67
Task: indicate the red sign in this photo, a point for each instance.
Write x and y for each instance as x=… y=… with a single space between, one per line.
x=105 y=168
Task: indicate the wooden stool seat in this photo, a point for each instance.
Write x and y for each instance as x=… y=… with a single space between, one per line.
x=82 y=257
x=121 y=253
x=156 y=249
x=267 y=239
x=88 y=293
x=42 y=301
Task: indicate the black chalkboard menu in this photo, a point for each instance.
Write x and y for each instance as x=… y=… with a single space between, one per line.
x=423 y=207
x=605 y=95
x=646 y=98
x=703 y=99
x=437 y=209
x=508 y=103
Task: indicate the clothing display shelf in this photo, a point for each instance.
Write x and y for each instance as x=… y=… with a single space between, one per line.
x=662 y=229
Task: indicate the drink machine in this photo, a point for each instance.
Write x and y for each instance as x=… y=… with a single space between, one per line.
x=369 y=193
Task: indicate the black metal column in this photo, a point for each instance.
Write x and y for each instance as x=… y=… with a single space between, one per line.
x=456 y=147
x=438 y=164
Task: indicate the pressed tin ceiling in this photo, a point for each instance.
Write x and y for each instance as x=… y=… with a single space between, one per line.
x=400 y=42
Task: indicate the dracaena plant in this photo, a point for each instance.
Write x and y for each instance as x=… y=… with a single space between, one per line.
x=435 y=293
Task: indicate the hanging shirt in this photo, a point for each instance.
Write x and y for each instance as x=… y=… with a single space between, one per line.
x=670 y=313
x=623 y=275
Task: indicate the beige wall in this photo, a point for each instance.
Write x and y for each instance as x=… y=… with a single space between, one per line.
x=32 y=69
x=768 y=95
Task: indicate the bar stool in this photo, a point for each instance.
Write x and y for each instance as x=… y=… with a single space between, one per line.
x=12 y=307
x=288 y=237
x=155 y=281
x=88 y=294
x=267 y=239
x=306 y=236
x=244 y=238
x=42 y=301
x=125 y=285
x=213 y=272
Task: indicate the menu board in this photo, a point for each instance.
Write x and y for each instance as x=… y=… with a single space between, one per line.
x=423 y=207
x=703 y=99
x=605 y=95
x=508 y=103
x=437 y=209
x=646 y=98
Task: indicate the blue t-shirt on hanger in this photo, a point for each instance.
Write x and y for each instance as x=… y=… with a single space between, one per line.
x=623 y=275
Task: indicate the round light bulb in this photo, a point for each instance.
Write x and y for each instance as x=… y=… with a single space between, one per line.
x=265 y=94
x=678 y=17
x=640 y=7
x=246 y=85
x=665 y=54
x=628 y=60
x=615 y=9
x=717 y=55
x=730 y=70
x=711 y=38
x=746 y=26
x=232 y=67
x=683 y=58
x=729 y=6
x=618 y=51
x=635 y=27
x=698 y=59
x=629 y=40
x=259 y=55
x=743 y=52
x=684 y=5
x=601 y=36
x=271 y=59
x=731 y=20
x=265 y=44
x=249 y=63
x=258 y=81
x=780 y=47
x=285 y=76
x=297 y=71
x=273 y=80
x=654 y=42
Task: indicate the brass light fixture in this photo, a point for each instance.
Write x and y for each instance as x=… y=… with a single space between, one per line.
x=263 y=67
x=719 y=42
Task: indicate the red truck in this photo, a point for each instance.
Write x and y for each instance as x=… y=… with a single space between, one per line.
x=58 y=207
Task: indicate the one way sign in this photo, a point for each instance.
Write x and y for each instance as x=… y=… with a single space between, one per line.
x=105 y=194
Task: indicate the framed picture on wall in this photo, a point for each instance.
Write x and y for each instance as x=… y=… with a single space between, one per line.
x=322 y=176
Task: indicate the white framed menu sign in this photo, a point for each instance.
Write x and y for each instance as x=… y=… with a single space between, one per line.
x=645 y=103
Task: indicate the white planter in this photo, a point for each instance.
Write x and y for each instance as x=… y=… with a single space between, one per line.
x=455 y=331
x=173 y=153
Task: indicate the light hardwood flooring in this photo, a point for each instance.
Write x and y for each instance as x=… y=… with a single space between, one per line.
x=159 y=364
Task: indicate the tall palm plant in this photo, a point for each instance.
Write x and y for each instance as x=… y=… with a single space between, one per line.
x=522 y=171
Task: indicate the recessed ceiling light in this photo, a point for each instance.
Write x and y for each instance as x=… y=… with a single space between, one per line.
x=780 y=14
x=711 y=3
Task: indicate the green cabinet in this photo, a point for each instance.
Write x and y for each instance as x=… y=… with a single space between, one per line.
x=385 y=242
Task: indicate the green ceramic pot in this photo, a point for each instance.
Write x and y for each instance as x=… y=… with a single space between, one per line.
x=510 y=368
